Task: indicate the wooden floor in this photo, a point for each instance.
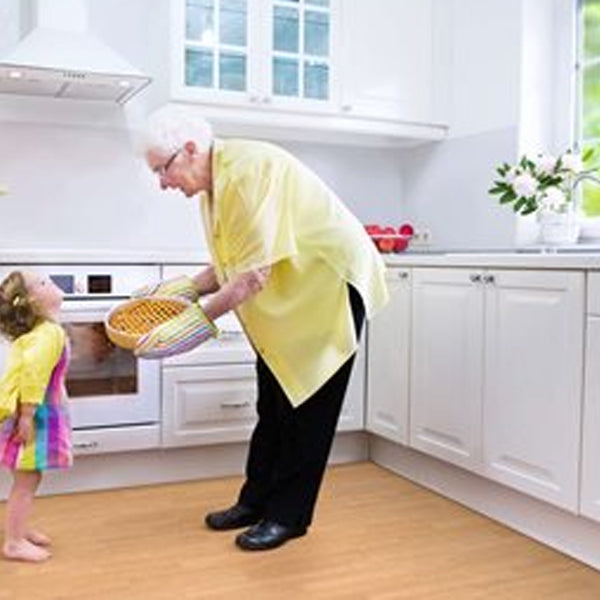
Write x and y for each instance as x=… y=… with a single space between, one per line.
x=375 y=536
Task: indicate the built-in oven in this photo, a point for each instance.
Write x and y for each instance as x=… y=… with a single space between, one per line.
x=108 y=387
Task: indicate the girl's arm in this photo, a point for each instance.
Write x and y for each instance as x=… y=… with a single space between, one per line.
x=24 y=427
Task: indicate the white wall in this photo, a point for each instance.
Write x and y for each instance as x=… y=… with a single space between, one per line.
x=446 y=185
x=507 y=93
x=490 y=88
x=73 y=179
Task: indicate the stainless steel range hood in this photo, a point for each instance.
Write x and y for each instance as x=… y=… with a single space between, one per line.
x=60 y=58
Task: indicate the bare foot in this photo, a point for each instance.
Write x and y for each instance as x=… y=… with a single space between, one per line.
x=24 y=550
x=38 y=538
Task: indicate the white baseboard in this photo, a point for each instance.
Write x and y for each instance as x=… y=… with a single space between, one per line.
x=147 y=467
x=571 y=534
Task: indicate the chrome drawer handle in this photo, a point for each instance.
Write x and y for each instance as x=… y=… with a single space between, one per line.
x=230 y=335
x=489 y=279
x=475 y=277
x=85 y=445
x=235 y=404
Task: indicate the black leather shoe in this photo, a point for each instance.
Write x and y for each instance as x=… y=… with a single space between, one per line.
x=266 y=535
x=234 y=517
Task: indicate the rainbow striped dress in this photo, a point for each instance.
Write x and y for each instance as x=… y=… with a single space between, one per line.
x=36 y=370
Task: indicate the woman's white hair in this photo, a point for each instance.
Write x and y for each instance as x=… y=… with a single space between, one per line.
x=170 y=127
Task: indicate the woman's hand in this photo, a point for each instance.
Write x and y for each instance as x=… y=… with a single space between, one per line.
x=181 y=287
x=180 y=334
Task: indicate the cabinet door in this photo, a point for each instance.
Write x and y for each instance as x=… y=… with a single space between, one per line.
x=447 y=365
x=208 y=404
x=590 y=473
x=352 y=417
x=387 y=59
x=301 y=55
x=212 y=46
x=259 y=54
x=533 y=383
x=388 y=362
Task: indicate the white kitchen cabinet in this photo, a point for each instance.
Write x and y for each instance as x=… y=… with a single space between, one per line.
x=352 y=417
x=209 y=393
x=446 y=365
x=208 y=404
x=389 y=59
x=497 y=375
x=354 y=71
x=259 y=54
x=388 y=362
x=590 y=474
x=533 y=382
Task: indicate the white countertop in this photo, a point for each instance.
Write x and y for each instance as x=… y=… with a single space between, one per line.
x=523 y=260
x=519 y=260
x=102 y=256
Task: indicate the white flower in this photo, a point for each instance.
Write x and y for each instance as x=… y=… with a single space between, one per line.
x=571 y=162
x=546 y=163
x=525 y=185
x=510 y=175
x=553 y=198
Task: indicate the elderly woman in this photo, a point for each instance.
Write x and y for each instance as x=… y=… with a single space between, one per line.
x=301 y=273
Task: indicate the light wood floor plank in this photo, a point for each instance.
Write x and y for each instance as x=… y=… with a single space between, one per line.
x=376 y=536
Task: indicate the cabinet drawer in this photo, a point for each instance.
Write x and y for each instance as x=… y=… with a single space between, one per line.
x=115 y=439
x=593 y=293
x=208 y=404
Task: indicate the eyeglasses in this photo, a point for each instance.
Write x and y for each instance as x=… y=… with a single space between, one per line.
x=162 y=170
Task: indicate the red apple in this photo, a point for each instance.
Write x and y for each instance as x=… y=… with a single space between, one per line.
x=406 y=229
x=387 y=241
x=400 y=244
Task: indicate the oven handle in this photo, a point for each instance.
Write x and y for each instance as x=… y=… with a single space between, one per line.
x=88 y=306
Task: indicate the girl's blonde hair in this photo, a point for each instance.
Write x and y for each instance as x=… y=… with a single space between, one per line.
x=18 y=314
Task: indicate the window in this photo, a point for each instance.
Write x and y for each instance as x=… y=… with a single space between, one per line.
x=588 y=85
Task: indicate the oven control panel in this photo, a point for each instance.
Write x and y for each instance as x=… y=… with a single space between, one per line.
x=95 y=281
x=92 y=284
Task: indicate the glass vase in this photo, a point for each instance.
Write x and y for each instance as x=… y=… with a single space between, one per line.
x=559 y=228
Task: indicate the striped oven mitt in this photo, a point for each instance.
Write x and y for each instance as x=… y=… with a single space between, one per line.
x=178 y=335
x=181 y=286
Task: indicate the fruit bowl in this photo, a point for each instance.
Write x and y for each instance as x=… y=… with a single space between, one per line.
x=389 y=240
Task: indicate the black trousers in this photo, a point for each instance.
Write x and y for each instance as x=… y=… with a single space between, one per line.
x=290 y=446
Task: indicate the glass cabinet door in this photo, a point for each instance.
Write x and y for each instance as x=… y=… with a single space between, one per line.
x=216 y=44
x=259 y=54
x=301 y=49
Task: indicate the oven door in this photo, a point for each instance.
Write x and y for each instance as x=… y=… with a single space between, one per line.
x=106 y=385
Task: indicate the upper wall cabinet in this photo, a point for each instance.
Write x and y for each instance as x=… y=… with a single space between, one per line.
x=322 y=70
x=388 y=59
x=255 y=53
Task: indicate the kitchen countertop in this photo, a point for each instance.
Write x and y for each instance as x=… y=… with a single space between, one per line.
x=567 y=258
x=564 y=258
x=102 y=256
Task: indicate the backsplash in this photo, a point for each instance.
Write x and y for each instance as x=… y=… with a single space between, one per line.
x=83 y=188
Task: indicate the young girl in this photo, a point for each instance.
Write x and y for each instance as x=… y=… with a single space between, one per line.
x=35 y=432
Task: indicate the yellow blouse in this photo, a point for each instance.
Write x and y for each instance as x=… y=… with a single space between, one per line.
x=268 y=209
x=31 y=360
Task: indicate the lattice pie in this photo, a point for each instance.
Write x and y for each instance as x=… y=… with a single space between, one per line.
x=127 y=322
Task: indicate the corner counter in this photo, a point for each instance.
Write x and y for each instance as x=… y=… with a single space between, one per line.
x=520 y=260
